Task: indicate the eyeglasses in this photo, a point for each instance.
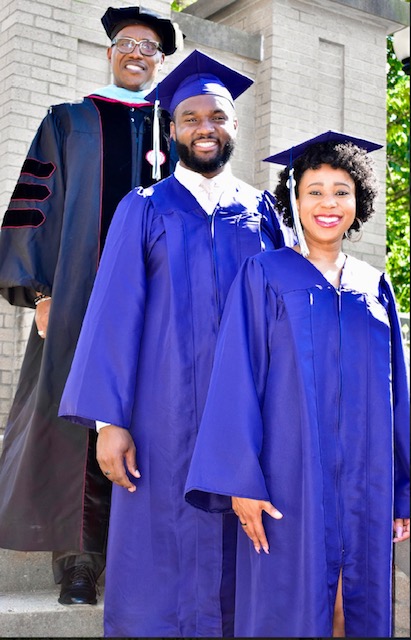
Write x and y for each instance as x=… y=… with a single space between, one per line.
x=145 y=47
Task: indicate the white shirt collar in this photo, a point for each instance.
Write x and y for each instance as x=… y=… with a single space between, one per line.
x=192 y=180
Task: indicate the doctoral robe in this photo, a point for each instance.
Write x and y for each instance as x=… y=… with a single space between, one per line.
x=308 y=408
x=143 y=362
x=84 y=158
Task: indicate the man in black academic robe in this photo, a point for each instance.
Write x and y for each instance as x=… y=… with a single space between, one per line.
x=84 y=158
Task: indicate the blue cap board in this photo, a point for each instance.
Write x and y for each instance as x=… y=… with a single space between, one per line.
x=198 y=74
x=286 y=157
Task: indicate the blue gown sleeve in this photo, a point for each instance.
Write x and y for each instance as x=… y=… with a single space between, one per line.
x=102 y=379
x=225 y=461
x=401 y=404
x=31 y=228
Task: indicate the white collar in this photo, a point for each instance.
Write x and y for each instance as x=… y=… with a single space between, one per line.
x=192 y=180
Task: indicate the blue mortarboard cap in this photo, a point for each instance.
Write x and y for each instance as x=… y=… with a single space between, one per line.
x=198 y=74
x=289 y=155
x=287 y=158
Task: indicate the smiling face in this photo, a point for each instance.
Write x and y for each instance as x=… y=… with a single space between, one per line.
x=204 y=128
x=326 y=204
x=134 y=71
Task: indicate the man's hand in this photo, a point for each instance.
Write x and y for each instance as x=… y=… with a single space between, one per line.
x=401 y=528
x=249 y=513
x=116 y=452
x=42 y=317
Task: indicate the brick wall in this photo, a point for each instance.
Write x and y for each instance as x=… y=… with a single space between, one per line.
x=323 y=67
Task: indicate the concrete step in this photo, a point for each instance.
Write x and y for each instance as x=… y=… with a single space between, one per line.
x=29 y=607
x=401 y=604
x=38 y=615
x=402 y=556
x=28 y=601
x=25 y=571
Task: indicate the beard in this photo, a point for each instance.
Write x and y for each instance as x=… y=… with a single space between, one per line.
x=204 y=166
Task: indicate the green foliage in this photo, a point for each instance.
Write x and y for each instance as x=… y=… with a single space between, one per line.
x=398 y=178
x=179 y=5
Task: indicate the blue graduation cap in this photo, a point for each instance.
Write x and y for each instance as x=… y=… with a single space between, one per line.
x=197 y=75
x=288 y=156
x=115 y=19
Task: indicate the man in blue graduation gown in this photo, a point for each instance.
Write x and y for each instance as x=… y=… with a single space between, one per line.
x=144 y=359
x=84 y=158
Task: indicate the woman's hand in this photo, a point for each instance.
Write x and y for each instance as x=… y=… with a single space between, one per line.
x=401 y=528
x=249 y=513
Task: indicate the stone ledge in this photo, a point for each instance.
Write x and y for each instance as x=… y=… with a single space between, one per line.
x=39 y=614
x=396 y=11
x=219 y=36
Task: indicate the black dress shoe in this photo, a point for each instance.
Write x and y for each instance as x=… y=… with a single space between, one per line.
x=78 y=586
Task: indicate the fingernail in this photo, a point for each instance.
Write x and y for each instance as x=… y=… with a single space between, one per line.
x=137 y=473
x=266 y=550
x=257 y=549
x=399 y=531
x=278 y=515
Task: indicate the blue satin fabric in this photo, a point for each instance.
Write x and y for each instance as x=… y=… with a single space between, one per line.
x=308 y=396
x=143 y=362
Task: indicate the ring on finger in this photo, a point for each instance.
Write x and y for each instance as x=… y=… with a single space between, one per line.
x=107 y=473
x=243 y=524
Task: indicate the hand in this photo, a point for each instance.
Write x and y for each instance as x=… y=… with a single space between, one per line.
x=42 y=317
x=115 y=452
x=249 y=513
x=401 y=528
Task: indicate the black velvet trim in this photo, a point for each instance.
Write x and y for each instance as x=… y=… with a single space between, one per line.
x=26 y=191
x=22 y=218
x=227 y=588
x=38 y=169
x=117 y=157
x=122 y=169
x=97 y=496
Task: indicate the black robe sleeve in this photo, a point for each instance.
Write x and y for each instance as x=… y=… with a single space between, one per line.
x=31 y=229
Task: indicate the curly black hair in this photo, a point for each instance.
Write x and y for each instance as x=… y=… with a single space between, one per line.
x=354 y=160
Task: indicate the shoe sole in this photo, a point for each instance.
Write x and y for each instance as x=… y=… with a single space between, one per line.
x=77 y=603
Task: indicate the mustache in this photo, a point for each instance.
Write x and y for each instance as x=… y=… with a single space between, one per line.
x=211 y=137
x=188 y=156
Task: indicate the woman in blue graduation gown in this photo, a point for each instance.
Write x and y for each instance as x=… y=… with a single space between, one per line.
x=306 y=423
